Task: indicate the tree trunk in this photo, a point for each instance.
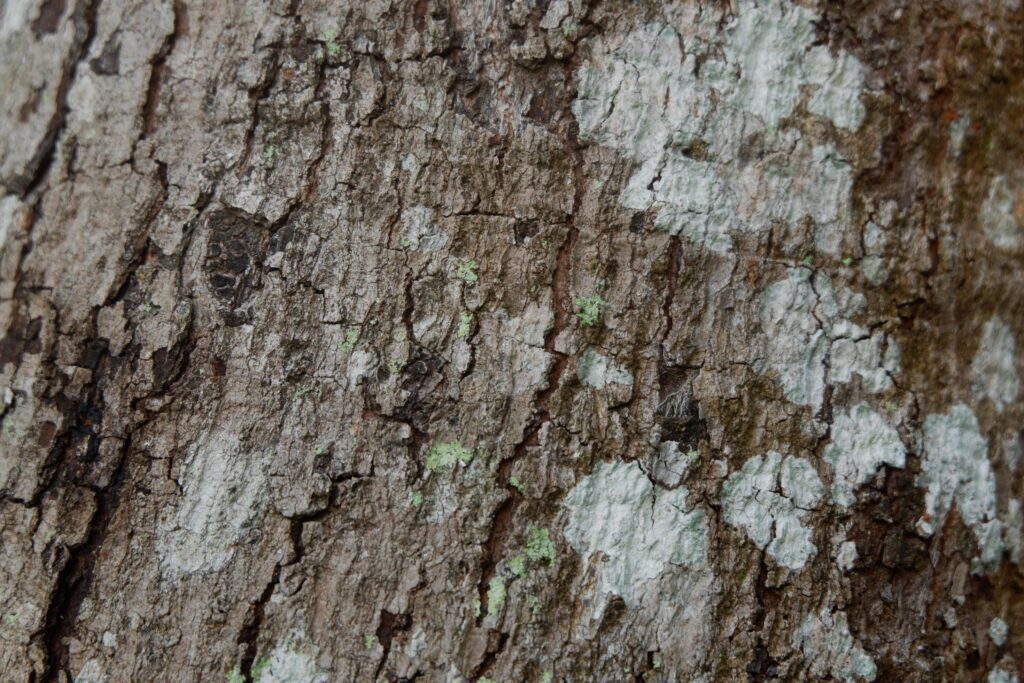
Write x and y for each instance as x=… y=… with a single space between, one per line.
x=511 y=340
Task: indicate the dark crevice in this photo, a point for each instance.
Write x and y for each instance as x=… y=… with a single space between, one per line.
x=38 y=167
x=158 y=67
x=75 y=577
x=250 y=632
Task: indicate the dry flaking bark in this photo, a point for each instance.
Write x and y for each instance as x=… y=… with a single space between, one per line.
x=567 y=340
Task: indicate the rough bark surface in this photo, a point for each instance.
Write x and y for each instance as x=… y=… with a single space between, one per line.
x=511 y=340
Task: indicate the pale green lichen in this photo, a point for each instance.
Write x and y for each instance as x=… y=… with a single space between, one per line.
x=446 y=454
x=467 y=271
x=330 y=38
x=515 y=483
x=465 y=325
x=539 y=546
x=301 y=392
x=370 y=640
x=588 y=309
x=270 y=153
x=351 y=337
x=517 y=565
x=547 y=677
x=496 y=592
x=259 y=667
x=235 y=675
x=415 y=498
x=533 y=602
x=476 y=607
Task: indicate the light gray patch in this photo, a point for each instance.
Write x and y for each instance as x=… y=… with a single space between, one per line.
x=956 y=468
x=768 y=498
x=597 y=371
x=643 y=97
x=861 y=443
x=994 y=366
x=420 y=230
x=998 y=631
x=1001 y=213
x=292 y=662
x=640 y=530
x=223 y=489
x=830 y=649
x=804 y=323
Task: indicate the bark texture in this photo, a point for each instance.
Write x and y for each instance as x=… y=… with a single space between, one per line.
x=511 y=340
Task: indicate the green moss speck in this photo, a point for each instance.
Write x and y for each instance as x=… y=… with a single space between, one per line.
x=588 y=309
x=332 y=45
x=351 y=337
x=539 y=546
x=496 y=593
x=447 y=453
x=467 y=271
x=258 y=669
x=465 y=325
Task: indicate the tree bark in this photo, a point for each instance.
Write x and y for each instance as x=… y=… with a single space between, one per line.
x=527 y=340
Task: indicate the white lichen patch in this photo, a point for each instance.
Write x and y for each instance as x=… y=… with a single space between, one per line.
x=956 y=468
x=994 y=366
x=846 y=556
x=640 y=530
x=684 y=106
x=223 y=488
x=998 y=631
x=862 y=442
x=768 y=499
x=289 y=662
x=810 y=341
x=420 y=230
x=1002 y=214
x=1002 y=676
x=597 y=371
x=830 y=650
